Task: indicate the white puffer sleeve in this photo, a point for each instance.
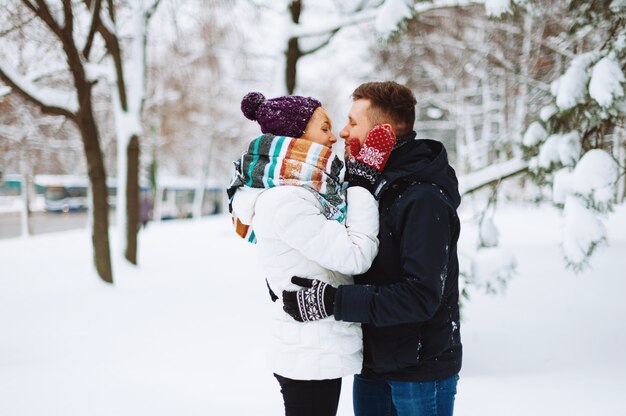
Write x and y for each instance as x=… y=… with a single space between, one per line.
x=347 y=248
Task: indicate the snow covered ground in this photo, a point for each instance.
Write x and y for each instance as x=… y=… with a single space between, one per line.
x=184 y=333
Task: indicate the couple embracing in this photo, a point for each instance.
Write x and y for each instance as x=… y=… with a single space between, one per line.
x=360 y=256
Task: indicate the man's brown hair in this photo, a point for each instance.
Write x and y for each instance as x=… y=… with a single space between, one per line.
x=390 y=103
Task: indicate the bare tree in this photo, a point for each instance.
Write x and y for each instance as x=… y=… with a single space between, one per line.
x=317 y=35
x=75 y=105
x=128 y=96
x=87 y=37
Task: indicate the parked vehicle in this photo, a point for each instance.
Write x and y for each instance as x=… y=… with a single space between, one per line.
x=174 y=199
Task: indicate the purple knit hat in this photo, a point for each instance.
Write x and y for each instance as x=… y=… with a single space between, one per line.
x=281 y=116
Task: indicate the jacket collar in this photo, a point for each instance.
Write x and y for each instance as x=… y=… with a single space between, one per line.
x=419 y=160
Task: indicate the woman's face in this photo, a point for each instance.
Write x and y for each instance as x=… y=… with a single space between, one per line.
x=320 y=128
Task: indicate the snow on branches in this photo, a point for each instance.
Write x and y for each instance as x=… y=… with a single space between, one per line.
x=577 y=145
x=606 y=81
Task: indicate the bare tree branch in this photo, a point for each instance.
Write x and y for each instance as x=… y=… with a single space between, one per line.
x=34 y=76
x=111 y=10
x=68 y=28
x=43 y=12
x=492 y=174
x=18 y=26
x=321 y=45
x=444 y=4
x=48 y=100
x=151 y=9
x=95 y=15
x=300 y=31
x=4 y=91
x=112 y=45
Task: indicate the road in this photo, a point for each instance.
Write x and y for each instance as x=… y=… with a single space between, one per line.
x=42 y=222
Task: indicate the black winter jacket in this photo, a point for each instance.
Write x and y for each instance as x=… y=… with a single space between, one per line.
x=408 y=301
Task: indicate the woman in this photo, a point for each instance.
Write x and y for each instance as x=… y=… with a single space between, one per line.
x=287 y=196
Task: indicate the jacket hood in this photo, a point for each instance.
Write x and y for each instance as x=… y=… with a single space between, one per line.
x=420 y=160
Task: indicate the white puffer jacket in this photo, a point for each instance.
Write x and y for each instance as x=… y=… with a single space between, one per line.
x=294 y=238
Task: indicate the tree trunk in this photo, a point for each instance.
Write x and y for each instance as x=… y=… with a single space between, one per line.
x=25 y=211
x=293 y=49
x=198 y=200
x=97 y=176
x=619 y=152
x=132 y=199
x=461 y=154
x=25 y=187
x=521 y=105
x=157 y=212
x=486 y=138
x=293 y=55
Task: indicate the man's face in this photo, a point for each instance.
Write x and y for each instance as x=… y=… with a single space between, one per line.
x=358 y=123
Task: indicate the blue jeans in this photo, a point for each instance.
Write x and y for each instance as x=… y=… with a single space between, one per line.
x=403 y=398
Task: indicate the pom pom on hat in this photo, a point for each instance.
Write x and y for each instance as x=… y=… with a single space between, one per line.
x=251 y=103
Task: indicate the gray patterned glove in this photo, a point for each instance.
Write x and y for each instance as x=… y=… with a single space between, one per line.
x=315 y=301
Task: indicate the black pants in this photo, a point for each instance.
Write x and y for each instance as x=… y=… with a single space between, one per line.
x=310 y=397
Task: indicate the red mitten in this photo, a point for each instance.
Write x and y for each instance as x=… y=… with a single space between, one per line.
x=377 y=147
x=366 y=162
x=355 y=146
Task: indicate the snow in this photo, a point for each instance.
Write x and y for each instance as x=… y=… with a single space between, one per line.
x=527 y=352
x=585 y=191
x=606 y=82
x=571 y=88
x=593 y=179
x=325 y=26
x=185 y=332
x=10 y=204
x=562 y=185
x=620 y=43
x=582 y=231
x=391 y=14
x=595 y=176
x=617 y=6
x=492 y=268
x=564 y=148
x=488 y=233
x=569 y=148
x=496 y=8
x=434 y=113
x=4 y=91
x=48 y=96
x=534 y=135
x=490 y=174
x=96 y=71
x=547 y=112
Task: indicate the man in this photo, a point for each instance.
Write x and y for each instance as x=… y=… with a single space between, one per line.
x=408 y=301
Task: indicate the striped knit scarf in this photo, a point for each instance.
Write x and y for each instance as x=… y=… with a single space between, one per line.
x=277 y=161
